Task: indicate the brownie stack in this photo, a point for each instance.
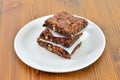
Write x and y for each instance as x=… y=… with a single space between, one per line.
x=62 y=34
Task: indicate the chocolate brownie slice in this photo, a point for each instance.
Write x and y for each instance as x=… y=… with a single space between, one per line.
x=57 y=50
x=65 y=24
x=64 y=41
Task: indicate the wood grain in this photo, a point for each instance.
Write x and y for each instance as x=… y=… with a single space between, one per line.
x=16 y=13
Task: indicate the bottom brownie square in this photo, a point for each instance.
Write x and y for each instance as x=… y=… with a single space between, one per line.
x=57 y=50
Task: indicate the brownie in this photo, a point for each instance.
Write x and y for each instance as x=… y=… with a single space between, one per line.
x=65 y=24
x=57 y=50
x=64 y=41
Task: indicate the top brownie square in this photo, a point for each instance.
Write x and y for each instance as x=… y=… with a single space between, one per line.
x=65 y=24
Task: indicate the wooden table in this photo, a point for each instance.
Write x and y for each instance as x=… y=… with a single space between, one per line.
x=16 y=13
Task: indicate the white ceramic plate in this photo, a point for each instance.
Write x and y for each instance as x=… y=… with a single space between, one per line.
x=39 y=58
